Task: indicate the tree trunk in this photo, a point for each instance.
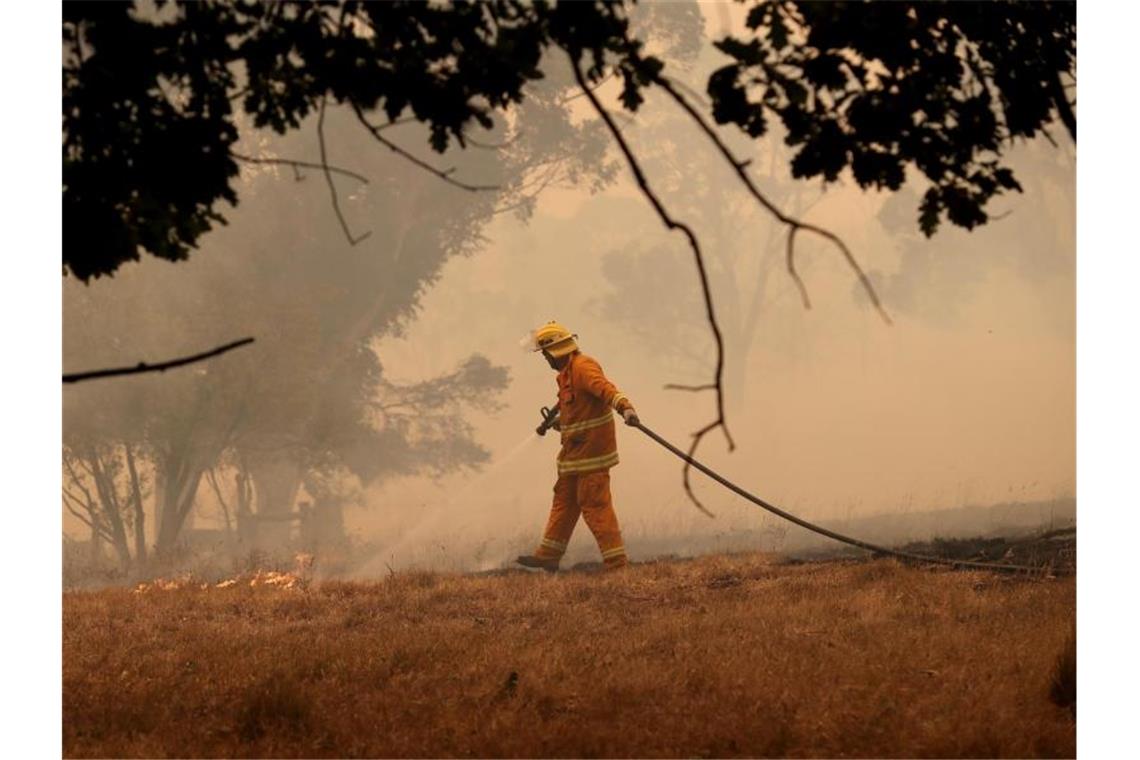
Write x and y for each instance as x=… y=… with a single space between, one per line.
x=179 y=480
x=179 y=470
x=212 y=479
x=96 y=546
x=139 y=514
x=246 y=526
x=105 y=487
x=277 y=480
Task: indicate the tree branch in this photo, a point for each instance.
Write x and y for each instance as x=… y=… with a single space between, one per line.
x=328 y=178
x=143 y=367
x=795 y=225
x=73 y=499
x=687 y=470
x=704 y=103
x=444 y=174
x=76 y=479
x=1064 y=107
x=597 y=86
x=549 y=177
x=97 y=526
x=672 y=224
x=299 y=165
x=92 y=521
x=492 y=146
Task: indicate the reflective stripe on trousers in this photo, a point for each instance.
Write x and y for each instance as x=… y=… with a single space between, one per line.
x=605 y=461
x=588 y=495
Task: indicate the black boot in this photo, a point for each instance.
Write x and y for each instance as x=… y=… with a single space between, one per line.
x=550 y=565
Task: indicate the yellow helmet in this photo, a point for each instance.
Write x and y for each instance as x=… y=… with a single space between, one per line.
x=555 y=339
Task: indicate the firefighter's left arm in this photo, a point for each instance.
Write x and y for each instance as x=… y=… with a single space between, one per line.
x=591 y=377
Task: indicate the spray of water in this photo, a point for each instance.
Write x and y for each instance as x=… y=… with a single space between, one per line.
x=453 y=513
x=494 y=469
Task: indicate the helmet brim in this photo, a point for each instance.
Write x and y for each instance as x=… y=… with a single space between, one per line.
x=561 y=348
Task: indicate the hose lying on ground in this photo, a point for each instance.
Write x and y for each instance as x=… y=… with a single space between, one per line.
x=903 y=555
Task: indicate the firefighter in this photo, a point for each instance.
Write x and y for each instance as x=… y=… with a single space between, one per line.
x=586 y=403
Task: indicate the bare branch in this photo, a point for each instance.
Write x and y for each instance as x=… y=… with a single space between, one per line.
x=76 y=479
x=597 y=86
x=685 y=472
x=740 y=167
x=299 y=165
x=97 y=527
x=791 y=257
x=395 y=123
x=142 y=367
x=672 y=224
x=512 y=206
x=73 y=505
x=444 y=174
x=328 y=178
x=701 y=100
x=69 y=496
x=551 y=176
x=677 y=387
x=492 y=146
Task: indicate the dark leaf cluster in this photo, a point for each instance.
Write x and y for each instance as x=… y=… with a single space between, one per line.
x=150 y=99
x=876 y=88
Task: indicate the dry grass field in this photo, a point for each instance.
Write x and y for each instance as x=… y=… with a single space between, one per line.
x=720 y=656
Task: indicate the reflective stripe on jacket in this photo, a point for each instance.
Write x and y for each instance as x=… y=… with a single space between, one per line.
x=586 y=403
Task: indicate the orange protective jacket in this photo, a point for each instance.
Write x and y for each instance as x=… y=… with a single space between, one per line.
x=586 y=403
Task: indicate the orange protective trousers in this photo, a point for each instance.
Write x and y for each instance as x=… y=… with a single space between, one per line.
x=587 y=494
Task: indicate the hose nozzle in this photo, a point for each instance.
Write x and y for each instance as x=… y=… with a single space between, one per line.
x=549 y=419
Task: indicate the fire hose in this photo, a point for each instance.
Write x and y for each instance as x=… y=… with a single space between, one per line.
x=875 y=548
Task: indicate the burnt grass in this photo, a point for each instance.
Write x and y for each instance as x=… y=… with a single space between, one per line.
x=740 y=655
x=1053 y=551
x=1056 y=549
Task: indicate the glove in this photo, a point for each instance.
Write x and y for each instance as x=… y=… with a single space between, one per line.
x=630 y=417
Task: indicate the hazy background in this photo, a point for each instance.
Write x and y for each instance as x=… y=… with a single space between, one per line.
x=968 y=399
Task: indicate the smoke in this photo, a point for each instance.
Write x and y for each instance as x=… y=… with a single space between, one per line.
x=967 y=400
